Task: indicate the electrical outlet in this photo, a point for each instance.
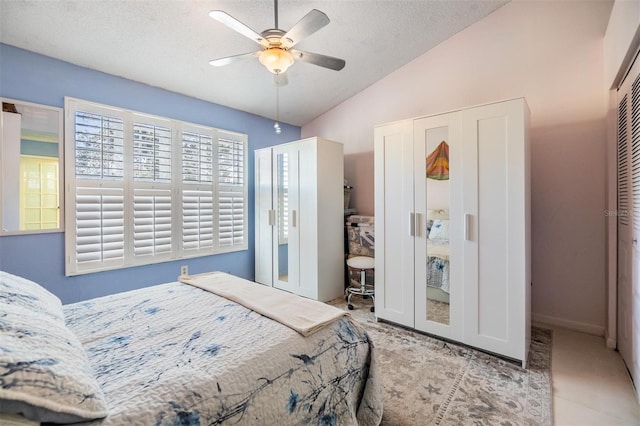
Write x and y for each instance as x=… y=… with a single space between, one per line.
x=184 y=270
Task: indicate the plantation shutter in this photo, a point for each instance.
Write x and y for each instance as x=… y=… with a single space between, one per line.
x=152 y=222
x=197 y=197
x=197 y=220
x=151 y=153
x=152 y=201
x=99 y=235
x=98 y=214
x=231 y=190
x=144 y=189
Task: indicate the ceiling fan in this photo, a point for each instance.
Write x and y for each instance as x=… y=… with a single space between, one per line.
x=277 y=53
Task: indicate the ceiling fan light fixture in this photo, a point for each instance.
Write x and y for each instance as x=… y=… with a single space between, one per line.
x=276 y=59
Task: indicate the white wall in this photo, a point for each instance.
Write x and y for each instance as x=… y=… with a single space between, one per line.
x=551 y=52
x=623 y=28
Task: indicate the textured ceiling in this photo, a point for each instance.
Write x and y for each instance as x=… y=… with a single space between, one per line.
x=168 y=44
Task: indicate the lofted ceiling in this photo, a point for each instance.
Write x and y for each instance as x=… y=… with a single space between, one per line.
x=169 y=43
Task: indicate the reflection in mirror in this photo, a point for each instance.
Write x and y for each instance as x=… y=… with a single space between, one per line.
x=438 y=201
x=30 y=160
x=283 y=216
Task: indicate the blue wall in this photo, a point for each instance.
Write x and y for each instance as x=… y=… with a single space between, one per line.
x=36 y=78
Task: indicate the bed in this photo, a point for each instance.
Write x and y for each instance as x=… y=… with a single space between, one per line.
x=175 y=354
x=438 y=267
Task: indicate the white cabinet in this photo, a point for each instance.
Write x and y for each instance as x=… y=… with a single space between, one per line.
x=299 y=218
x=453 y=255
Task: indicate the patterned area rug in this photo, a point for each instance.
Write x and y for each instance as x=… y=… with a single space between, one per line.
x=427 y=381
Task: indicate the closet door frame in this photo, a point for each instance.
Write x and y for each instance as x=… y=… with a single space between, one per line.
x=454 y=330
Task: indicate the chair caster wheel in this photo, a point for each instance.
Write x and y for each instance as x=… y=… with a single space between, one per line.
x=372 y=309
x=365 y=297
x=350 y=306
x=346 y=298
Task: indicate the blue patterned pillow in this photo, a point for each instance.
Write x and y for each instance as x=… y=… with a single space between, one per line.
x=44 y=373
x=18 y=291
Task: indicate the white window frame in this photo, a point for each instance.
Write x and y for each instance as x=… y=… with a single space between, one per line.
x=119 y=239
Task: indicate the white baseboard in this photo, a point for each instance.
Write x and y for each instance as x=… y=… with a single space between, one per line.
x=582 y=327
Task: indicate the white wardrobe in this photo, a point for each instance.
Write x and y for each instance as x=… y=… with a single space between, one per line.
x=453 y=252
x=299 y=229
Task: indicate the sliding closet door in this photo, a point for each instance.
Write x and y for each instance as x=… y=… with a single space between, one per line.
x=628 y=215
x=438 y=208
x=496 y=208
x=394 y=211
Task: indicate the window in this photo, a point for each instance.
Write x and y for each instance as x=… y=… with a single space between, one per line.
x=39 y=193
x=145 y=189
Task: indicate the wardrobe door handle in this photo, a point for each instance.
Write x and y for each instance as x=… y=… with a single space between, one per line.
x=272 y=217
x=293 y=218
x=412 y=224
x=467 y=226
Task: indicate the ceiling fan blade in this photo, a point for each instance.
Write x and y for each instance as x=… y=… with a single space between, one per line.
x=230 y=59
x=236 y=25
x=280 y=79
x=309 y=24
x=317 y=59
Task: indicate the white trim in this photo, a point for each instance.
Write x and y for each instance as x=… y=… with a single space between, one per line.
x=596 y=330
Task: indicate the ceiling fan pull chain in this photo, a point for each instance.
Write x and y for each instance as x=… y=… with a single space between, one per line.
x=276 y=126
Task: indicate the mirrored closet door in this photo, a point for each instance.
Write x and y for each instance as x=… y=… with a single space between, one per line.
x=438 y=225
x=286 y=242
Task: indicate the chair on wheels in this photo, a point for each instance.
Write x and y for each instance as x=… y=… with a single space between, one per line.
x=360 y=265
x=360 y=261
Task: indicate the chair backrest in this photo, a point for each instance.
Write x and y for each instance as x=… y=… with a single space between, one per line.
x=361 y=235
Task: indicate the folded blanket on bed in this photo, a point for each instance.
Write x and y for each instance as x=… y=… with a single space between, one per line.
x=303 y=315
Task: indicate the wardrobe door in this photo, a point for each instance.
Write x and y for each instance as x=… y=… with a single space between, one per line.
x=394 y=211
x=264 y=216
x=496 y=208
x=304 y=221
x=321 y=219
x=286 y=245
x=438 y=225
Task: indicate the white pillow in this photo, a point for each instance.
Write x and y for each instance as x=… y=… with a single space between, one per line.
x=44 y=372
x=439 y=230
x=19 y=291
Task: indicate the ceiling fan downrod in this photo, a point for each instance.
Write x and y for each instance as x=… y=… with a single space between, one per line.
x=275 y=13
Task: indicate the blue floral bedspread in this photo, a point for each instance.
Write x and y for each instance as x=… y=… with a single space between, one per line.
x=174 y=354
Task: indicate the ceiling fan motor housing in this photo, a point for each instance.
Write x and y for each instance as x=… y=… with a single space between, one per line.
x=275 y=53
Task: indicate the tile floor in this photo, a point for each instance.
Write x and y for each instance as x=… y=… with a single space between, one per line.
x=590 y=382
